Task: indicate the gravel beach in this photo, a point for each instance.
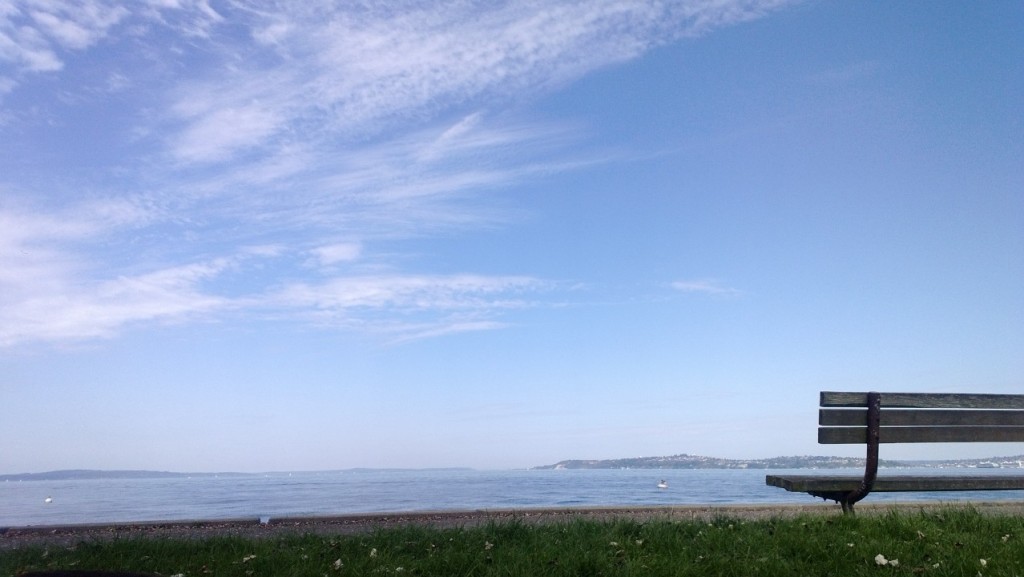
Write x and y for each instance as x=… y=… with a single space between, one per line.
x=64 y=536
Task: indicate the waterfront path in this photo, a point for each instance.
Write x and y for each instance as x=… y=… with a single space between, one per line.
x=69 y=535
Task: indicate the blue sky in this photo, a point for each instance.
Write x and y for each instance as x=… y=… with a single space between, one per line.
x=254 y=236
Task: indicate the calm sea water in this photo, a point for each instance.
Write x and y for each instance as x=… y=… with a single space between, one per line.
x=338 y=493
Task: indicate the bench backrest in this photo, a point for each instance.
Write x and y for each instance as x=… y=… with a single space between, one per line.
x=922 y=418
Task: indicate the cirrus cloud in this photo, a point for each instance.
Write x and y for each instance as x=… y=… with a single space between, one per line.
x=705 y=286
x=325 y=133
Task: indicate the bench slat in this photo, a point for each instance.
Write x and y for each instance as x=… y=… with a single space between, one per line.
x=856 y=435
x=925 y=400
x=809 y=483
x=912 y=417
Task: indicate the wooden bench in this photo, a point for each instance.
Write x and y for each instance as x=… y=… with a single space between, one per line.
x=873 y=418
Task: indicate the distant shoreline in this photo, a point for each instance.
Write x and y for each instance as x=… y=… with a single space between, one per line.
x=68 y=535
x=92 y=474
x=685 y=461
x=674 y=462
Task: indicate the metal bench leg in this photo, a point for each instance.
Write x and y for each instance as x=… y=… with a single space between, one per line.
x=847 y=506
x=871 y=463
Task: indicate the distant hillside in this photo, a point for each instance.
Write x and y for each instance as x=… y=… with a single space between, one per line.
x=800 y=462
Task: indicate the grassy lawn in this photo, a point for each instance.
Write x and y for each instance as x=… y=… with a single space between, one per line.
x=954 y=542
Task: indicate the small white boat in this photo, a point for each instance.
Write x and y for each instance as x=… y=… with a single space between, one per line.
x=663 y=484
x=48 y=500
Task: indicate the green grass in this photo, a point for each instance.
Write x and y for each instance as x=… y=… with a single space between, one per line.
x=950 y=542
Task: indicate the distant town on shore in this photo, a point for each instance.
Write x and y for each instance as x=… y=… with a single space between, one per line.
x=682 y=461
x=799 y=462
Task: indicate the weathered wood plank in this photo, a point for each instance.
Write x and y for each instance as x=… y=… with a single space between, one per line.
x=914 y=417
x=925 y=400
x=899 y=483
x=970 y=434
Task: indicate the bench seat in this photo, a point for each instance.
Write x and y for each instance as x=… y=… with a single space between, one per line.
x=826 y=484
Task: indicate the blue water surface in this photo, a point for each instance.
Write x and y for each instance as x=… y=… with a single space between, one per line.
x=22 y=503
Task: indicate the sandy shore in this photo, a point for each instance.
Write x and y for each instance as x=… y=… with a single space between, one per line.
x=64 y=536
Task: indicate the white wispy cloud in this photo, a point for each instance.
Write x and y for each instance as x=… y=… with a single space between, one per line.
x=410 y=293
x=53 y=294
x=37 y=36
x=334 y=253
x=58 y=289
x=51 y=290
x=405 y=307
x=84 y=310
x=417 y=183
x=368 y=68
x=705 y=286
x=291 y=137
x=216 y=134
x=406 y=333
x=81 y=311
x=33 y=32
x=77 y=25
